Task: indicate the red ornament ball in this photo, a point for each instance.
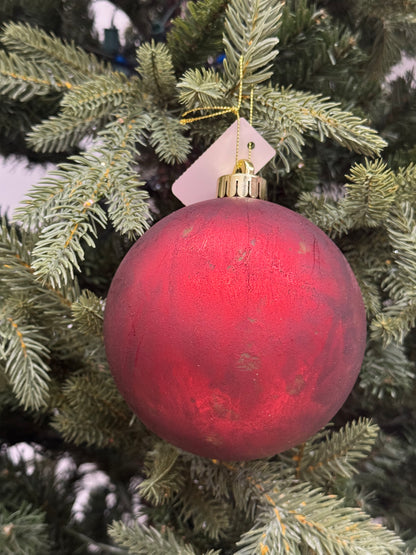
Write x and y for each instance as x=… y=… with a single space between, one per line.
x=235 y=328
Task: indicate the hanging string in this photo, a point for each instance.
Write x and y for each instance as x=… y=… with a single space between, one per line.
x=250 y=144
x=221 y=110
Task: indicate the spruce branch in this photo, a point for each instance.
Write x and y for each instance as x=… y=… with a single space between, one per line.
x=99 y=96
x=18 y=280
x=319 y=55
x=401 y=231
x=293 y=113
x=369 y=253
x=15 y=246
x=390 y=31
x=337 y=454
x=60 y=247
x=209 y=516
x=165 y=476
x=194 y=38
x=201 y=88
x=40 y=200
x=289 y=515
x=37 y=46
x=300 y=518
x=370 y=291
x=92 y=412
x=215 y=476
x=168 y=481
x=236 y=484
x=394 y=322
x=28 y=311
x=406 y=179
x=23 y=348
x=168 y=139
x=370 y=193
x=386 y=372
x=325 y=213
x=67 y=203
x=91 y=543
x=84 y=110
x=88 y=314
x=23 y=79
x=23 y=531
x=60 y=133
x=251 y=28
x=141 y=540
x=155 y=68
x=127 y=207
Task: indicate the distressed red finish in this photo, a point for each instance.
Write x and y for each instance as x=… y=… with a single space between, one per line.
x=235 y=328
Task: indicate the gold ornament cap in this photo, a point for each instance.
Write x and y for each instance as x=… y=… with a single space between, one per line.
x=242 y=183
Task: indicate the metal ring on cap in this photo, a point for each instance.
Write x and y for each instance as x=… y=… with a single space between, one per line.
x=242 y=183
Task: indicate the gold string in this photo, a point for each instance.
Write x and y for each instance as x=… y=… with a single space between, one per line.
x=221 y=110
x=250 y=144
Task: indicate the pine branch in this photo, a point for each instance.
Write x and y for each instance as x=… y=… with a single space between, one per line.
x=168 y=481
x=155 y=68
x=251 y=28
x=406 y=179
x=37 y=46
x=198 y=35
x=208 y=516
x=321 y=463
x=386 y=31
x=370 y=193
x=386 y=373
x=326 y=214
x=61 y=244
x=368 y=253
x=370 y=292
x=23 y=79
x=201 y=88
x=23 y=532
x=23 y=348
x=15 y=247
x=319 y=54
x=142 y=541
x=290 y=516
x=92 y=412
x=394 y=322
x=401 y=231
x=59 y=133
x=168 y=139
x=165 y=476
x=88 y=314
x=286 y=115
x=127 y=206
x=300 y=518
x=68 y=208
x=99 y=96
x=85 y=108
x=33 y=211
x=29 y=300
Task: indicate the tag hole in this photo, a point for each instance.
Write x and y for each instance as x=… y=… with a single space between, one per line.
x=251 y=145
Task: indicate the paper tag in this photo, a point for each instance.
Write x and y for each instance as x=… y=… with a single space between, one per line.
x=199 y=181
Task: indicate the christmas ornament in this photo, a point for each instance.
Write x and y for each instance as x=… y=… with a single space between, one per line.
x=234 y=327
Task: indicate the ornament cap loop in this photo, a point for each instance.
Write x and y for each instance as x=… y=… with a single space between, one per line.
x=242 y=182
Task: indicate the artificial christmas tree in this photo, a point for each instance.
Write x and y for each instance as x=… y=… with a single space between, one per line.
x=341 y=491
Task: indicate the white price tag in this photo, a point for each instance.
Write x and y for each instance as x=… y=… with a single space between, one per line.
x=199 y=181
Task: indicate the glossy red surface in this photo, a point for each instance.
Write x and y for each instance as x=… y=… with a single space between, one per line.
x=235 y=328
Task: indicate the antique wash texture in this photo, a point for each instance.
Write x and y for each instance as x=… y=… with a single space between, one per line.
x=235 y=328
